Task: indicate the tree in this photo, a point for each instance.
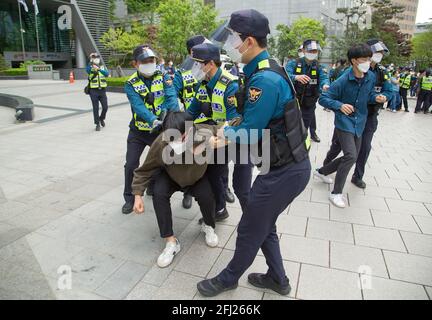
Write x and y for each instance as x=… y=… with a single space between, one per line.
x=422 y=49
x=144 y=8
x=179 y=20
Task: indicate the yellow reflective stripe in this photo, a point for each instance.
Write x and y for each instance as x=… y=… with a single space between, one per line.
x=314 y=73
x=264 y=64
x=308 y=142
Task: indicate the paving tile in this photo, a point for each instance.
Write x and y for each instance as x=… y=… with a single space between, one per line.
x=416 y=243
x=386 y=289
x=351 y=215
x=417 y=196
x=401 y=266
x=309 y=209
x=178 y=286
x=368 y=202
x=318 y=283
x=305 y=250
x=425 y=224
x=142 y=291
x=290 y=224
x=395 y=221
x=393 y=183
x=330 y=230
x=407 y=207
x=384 y=192
x=378 y=238
x=357 y=259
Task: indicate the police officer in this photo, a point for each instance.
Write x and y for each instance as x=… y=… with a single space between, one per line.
x=97 y=74
x=405 y=84
x=215 y=103
x=309 y=78
x=186 y=86
x=269 y=100
x=149 y=92
x=424 y=97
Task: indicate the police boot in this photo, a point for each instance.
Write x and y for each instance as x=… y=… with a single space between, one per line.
x=229 y=197
x=261 y=280
x=187 y=201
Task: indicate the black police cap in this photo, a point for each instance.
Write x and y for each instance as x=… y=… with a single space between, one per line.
x=195 y=40
x=249 y=23
x=143 y=52
x=205 y=52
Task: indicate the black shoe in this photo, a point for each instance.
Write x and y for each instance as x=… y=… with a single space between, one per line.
x=187 y=201
x=359 y=183
x=102 y=122
x=315 y=138
x=416 y=111
x=261 y=280
x=406 y=110
x=98 y=127
x=127 y=208
x=220 y=216
x=213 y=287
x=229 y=197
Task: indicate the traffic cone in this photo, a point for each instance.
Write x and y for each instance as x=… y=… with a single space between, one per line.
x=71 y=77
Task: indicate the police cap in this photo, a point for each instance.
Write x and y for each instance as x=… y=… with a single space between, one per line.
x=205 y=52
x=143 y=52
x=195 y=40
x=249 y=23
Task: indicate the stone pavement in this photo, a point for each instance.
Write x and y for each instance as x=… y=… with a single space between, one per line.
x=60 y=215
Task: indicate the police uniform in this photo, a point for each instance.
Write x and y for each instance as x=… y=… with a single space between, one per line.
x=424 y=99
x=268 y=101
x=97 y=90
x=148 y=97
x=308 y=94
x=405 y=84
x=215 y=102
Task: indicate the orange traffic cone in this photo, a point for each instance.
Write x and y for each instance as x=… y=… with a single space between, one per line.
x=71 y=77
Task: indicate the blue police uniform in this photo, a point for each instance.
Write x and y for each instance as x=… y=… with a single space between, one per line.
x=137 y=140
x=308 y=105
x=268 y=95
x=98 y=92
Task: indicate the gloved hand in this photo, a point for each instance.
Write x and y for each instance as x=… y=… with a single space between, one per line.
x=157 y=126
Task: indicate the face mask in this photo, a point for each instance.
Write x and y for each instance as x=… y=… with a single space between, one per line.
x=198 y=72
x=377 y=57
x=234 y=41
x=96 y=61
x=364 y=67
x=178 y=146
x=311 y=56
x=147 y=69
x=301 y=54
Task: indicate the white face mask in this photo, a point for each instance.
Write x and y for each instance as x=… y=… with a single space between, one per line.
x=96 y=61
x=233 y=42
x=311 y=56
x=377 y=57
x=178 y=146
x=301 y=54
x=147 y=69
x=364 y=67
x=198 y=72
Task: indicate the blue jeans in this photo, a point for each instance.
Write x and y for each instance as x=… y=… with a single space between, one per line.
x=395 y=100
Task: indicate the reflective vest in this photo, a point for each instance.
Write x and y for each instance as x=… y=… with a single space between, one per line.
x=312 y=88
x=189 y=83
x=406 y=82
x=216 y=99
x=427 y=83
x=153 y=98
x=98 y=81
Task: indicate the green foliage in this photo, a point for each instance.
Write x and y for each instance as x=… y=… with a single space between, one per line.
x=3 y=64
x=290 y=38
x=144 y=8
x=116 y=82
x=25 y=64
x=422 y=49
x=14 y=72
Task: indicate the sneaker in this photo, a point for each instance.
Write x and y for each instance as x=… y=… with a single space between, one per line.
x=167 y=256
x=211 y=237
x=394 y=111
x=337 y=200
x=322 y=177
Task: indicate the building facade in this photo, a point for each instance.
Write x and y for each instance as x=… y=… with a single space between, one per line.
x=407 y=19
x=68 y=30
x=422 y=27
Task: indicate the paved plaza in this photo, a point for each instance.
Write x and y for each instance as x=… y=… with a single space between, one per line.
x=63 y=236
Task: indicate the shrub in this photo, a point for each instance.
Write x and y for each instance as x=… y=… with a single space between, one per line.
x=14 y=72
x=23 y=65
x=116 y=82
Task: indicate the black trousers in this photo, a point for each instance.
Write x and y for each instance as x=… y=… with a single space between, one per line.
x=164 y=187
x=335 y=149
x=136 y=143
x=366 y=146
x=96 y=96
x=270 y=195
x=242 y=177
x=350 y=145
x=404 y=95
x=424 y=101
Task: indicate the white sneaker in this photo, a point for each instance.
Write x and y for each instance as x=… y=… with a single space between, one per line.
x=394 y=111
x=337 y=200
x=167 y=256
x=211 y=238
x=322 y=177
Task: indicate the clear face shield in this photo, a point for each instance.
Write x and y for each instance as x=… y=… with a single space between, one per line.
x=380 y=46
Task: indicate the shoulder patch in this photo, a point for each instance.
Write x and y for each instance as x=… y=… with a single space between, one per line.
x=254 y=94
x=224 y=80
x=232 y=100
